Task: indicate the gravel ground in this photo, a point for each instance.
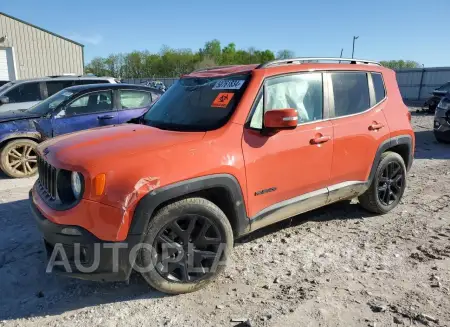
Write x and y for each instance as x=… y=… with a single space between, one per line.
x=336 y=266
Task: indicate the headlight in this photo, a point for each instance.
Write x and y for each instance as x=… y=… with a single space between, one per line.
x=444 y=104
x=76 y=184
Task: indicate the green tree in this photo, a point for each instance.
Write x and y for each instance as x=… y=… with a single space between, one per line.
x=400 y=64
x=285 y=54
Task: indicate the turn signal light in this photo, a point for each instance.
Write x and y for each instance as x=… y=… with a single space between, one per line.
x=99 y=184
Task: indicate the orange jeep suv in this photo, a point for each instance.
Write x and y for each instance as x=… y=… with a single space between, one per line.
x=225 y=151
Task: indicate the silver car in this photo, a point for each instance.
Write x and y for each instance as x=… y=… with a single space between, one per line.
x=23 y=94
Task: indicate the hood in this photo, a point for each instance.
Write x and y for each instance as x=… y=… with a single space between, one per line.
x=16 y=115
x=107 y=146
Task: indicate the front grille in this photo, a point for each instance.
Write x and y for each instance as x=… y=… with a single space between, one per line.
x=47 y=179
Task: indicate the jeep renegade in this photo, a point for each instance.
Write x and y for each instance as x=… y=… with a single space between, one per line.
x=225 y=151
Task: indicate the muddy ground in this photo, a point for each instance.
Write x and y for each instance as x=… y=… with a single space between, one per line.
x=336 y=266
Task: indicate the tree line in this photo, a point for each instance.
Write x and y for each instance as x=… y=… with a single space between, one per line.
x=169 y=62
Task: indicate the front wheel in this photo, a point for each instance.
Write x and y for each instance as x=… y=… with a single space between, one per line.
x=18 y=158
x=186 y=246
x=388 y=185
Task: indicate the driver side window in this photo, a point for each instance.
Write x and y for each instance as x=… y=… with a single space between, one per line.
x=303 y=92
x=88 y=104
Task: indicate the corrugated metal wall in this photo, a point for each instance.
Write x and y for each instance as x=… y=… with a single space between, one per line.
x=38 y=53
x=417 y=84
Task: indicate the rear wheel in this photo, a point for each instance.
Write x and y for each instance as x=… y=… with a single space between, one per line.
x=190 y=241
x=388 y=185
x=18 y=158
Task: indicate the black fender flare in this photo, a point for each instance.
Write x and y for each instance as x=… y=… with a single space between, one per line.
x=147 y=205
x=388 y=144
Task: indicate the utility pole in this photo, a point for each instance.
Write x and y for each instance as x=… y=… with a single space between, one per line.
x=354 y=39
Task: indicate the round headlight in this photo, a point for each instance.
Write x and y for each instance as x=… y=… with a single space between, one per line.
x=76 y=184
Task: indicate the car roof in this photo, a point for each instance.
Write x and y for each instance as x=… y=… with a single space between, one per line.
x=287 y=64
x=62 y=78
x=109 y=86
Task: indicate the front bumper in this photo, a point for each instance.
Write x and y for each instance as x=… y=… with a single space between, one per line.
x=442 y=125
x=85 y=256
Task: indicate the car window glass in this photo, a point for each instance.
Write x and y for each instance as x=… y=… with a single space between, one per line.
x=91 y=81
x=56 y=86
x=24 y=92
x=302 y=92
x=130 y=99
x=351 y=93
x=89 y=103
x=378 y=86
x=257 y=118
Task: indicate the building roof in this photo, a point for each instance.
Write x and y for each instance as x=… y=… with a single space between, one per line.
x=40 y=28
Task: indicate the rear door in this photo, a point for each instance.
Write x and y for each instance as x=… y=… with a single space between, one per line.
x=90 y=110
x=56 y=86
x=133 y=103
x=359 y=124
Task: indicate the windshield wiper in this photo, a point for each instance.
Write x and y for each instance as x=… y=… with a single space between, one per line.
x=171 y=126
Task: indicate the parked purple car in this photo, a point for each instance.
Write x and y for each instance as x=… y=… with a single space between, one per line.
x=72 y=109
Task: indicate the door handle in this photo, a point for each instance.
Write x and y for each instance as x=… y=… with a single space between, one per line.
x=105 y=117
x=375 y=127
x=320 y=139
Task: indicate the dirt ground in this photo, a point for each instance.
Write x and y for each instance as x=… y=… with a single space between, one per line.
x=336 y=266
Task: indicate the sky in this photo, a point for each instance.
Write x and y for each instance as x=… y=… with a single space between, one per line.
x=387 y=29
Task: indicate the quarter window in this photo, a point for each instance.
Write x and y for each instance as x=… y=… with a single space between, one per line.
x=302 y=92
x=351 y=93
x=25 y=92
x=134 y=99
x=378 y=85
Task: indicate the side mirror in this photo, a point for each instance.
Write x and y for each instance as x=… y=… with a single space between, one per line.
x=280 y=119
x=4 y=100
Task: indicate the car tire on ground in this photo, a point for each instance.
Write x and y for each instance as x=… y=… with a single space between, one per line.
x=18 y=158
x=194 y=221
x=388 y=185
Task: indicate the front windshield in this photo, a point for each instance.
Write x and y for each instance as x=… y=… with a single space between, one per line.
x=50 y=103
x=197 y=104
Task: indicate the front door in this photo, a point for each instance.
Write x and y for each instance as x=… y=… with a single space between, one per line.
x=359 y=124
x=291 y=163
x=87 y=111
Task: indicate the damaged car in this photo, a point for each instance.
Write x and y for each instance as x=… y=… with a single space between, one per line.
x=72 y=109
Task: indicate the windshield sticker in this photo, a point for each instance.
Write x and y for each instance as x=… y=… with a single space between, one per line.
x=228 y=84
x=222 y=100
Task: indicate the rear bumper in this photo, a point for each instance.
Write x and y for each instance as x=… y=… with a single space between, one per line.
x=83 y=255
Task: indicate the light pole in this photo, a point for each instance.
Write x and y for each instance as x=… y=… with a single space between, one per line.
x=353 y=50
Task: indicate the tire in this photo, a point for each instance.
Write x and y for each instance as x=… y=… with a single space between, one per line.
x=374 y=199
x=18 y=158
x=183 y=212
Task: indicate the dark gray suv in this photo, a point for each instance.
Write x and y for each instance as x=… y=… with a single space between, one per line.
x=442 y=120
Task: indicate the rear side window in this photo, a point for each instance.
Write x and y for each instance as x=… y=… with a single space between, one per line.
x=24 y=92
x=351 y=93
x=56 y=86
x=130 y=99
x=378 y=85
x=91 y=81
